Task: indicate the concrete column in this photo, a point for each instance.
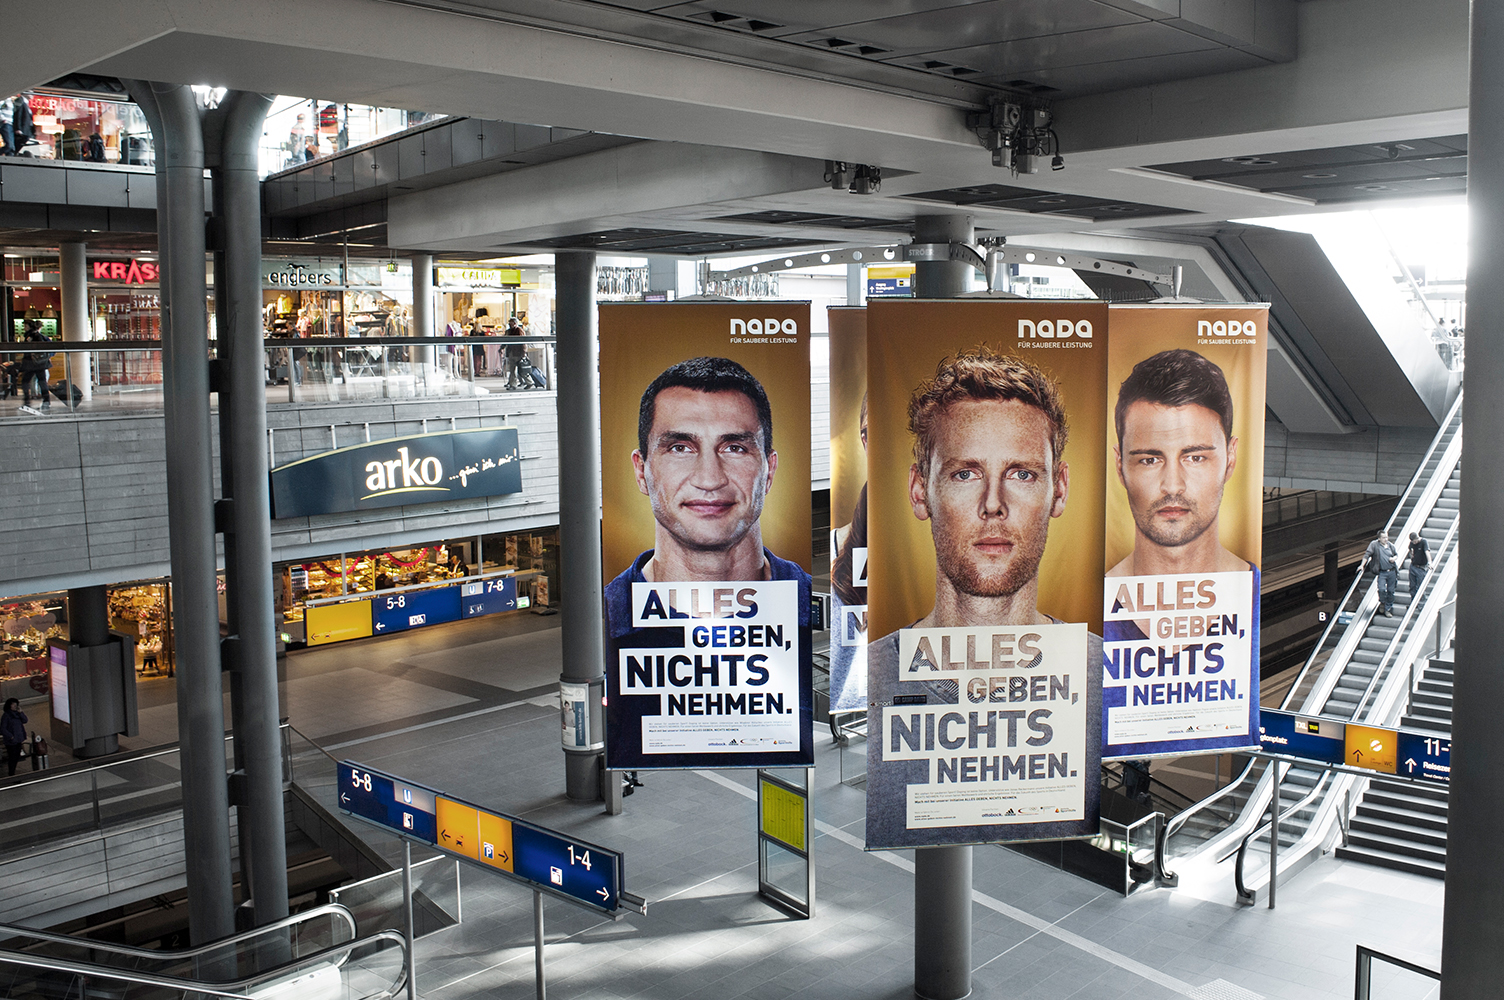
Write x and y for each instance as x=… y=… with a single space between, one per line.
x=579 y=385
x=257 y=734
x=856 y=285
x=942 y=875
x=174 y=116
x=423 y=324
x=1472 y=964
x=663 y=275
x=942 y=279
x=73 y=281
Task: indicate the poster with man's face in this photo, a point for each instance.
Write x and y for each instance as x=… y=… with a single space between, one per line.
x=985 y=497
x=1184 y=527
x=848 y=509
x=705 y=455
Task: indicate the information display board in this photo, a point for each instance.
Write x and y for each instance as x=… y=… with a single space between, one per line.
x=547 y=860
x=415 y=609
x=323 y=623
x=1404 y=752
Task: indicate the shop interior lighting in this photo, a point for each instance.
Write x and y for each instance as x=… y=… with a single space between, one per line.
x=1019 y=134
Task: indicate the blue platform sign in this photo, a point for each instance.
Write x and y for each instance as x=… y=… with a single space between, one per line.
x=414 y=609
x=1302 y=736
x=1421 y=756
x=401 y=807
x=487 y=597
x=588 y=873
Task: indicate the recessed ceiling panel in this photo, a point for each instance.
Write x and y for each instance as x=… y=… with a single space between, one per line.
x=1034 y=202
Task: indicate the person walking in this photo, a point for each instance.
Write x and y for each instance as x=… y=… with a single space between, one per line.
x=1420 y=561
x=13 y=733
x=514 y=354
x=34 y=369
x=7 y=129
x=1381 y=557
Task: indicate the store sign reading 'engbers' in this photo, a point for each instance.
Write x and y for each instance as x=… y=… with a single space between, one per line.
x=423 y=468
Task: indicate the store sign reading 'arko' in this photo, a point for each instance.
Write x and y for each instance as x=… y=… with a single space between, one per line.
x=424 y=468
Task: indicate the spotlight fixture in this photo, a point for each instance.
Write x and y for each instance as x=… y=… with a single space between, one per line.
x=837 y=174
x=1019 y=133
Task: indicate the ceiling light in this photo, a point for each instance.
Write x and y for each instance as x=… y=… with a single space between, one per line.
x=1318 y=177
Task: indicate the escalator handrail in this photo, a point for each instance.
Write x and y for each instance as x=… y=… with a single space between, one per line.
x=1403 y=633
x=1304 y=801
x=237 y=988
x=1455 y=415
x=1180 y=818
x=180 y=954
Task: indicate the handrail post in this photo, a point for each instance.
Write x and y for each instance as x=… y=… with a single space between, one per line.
x=1274 y=837
x=1364 y=974
x=407 y=918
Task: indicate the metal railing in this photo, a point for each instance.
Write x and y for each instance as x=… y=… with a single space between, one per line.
x=125 y=376
x=23 y=974
x=240 y=954
x=1363 y=978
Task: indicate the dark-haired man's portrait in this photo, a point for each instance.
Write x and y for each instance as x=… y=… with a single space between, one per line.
x=1174 y=455
x=705 y=461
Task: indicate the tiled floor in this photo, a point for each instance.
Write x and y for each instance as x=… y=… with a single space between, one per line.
x=483 y=727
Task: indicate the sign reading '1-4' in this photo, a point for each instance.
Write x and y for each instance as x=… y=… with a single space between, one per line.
x=573 y=869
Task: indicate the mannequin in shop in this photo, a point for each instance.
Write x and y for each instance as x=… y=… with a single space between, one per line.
x=446 y=354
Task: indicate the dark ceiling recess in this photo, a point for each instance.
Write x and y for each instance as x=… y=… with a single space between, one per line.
x=820 y=220
x=1400 y=169
x=723 y=20
x=667 y=241
x=1017 y=199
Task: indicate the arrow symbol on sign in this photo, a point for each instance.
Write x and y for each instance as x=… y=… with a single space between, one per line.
x=1410 y=763
x=379 y=626
x=1357 y=756
x=344 y=797
x=445 y=835
x=603 y=893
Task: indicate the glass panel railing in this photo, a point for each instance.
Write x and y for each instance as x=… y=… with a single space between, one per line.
x=125 y=377
x=377 y=901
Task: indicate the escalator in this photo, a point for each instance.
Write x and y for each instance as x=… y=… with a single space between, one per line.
x=1367 y=669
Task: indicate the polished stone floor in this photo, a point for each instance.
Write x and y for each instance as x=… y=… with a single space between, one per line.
x=470 y=709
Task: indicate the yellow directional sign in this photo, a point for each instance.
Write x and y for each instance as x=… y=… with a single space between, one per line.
x=1371 y=747
x=495 y=841
x=458 y=828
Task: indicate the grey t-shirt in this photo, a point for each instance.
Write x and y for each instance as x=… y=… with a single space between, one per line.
x=887 y=782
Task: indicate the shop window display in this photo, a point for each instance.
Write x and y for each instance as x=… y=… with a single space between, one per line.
x=143 y=612
x=25 y=627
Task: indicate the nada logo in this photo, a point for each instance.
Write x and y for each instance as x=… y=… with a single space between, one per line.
x=404 y=475
x=1059 y=329
x=759 y=327
x=1226 y=328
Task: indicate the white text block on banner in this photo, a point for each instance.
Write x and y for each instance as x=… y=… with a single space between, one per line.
x=1012 y=745
x=1178 y=658
x=733 y=684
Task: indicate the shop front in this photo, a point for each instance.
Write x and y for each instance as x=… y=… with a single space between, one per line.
x=359 y=595
x=479 y=299
x=89 y=128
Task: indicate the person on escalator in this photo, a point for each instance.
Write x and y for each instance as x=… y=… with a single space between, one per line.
x=1420 y=559
x=1381 y=558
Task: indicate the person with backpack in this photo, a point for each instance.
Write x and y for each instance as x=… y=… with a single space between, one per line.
x=13 y=733
x=1420 y=561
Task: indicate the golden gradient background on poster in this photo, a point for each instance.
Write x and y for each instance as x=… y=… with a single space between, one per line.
x=848 y=381
x=1140 y=332
x=639 y=341
x=906 y=340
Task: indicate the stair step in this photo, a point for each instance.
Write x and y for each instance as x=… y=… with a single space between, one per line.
x=1399 y=862
x=1441 y=727
x=1401 y=815
x=1396 y=845
x=1417 y=806
x=1416 y=836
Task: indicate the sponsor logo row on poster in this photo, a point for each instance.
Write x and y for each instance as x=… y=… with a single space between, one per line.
x=1056 y=554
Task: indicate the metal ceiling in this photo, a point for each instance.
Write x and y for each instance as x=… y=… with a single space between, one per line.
x=1051 y=47
x=1018 y=199
x=667 y=241
x=1400 y=169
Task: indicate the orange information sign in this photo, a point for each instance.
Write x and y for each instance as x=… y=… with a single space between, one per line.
x=495 y=841
x=337 y=622
x=1372 y=748
x=458 y=828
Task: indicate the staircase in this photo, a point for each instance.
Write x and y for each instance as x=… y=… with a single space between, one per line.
x=1402 y=824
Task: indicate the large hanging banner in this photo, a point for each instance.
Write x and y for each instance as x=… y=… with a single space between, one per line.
x=986 y=467
x=705 y=524
x=1184 y=529
x=848 y=509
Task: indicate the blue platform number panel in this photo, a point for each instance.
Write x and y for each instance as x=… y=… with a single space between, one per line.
x=403 y=808
x=488 y=597
x=415 y=609
x=584 y=871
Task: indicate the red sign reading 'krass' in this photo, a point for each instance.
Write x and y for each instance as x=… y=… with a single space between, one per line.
x=137 y=272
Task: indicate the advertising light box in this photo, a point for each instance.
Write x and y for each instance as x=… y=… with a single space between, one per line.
x=415 y=609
